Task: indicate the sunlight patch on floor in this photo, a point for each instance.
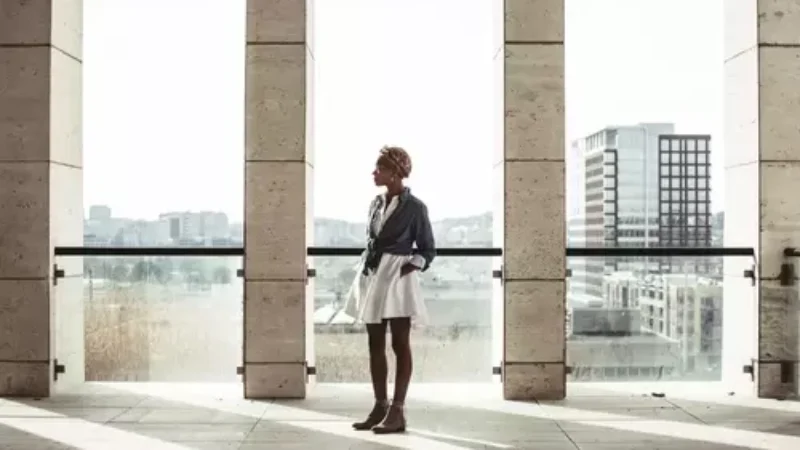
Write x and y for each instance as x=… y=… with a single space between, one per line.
x=77 y=433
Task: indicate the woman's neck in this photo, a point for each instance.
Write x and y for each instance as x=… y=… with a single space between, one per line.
x=395 y=190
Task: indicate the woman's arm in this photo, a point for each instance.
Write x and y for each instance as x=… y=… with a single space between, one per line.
x=424 y=238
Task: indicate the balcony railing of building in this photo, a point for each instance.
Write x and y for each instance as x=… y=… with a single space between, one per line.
x=632 y=313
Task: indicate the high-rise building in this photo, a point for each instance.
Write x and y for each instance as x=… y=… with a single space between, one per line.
x=684 y=197
x=643 y=186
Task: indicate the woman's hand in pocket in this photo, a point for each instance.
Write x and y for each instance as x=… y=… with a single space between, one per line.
x=407 y=269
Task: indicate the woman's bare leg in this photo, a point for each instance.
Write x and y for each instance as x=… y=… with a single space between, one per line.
x=401 y=344
x=395 y=421
x=378 y=367
x=379 y=372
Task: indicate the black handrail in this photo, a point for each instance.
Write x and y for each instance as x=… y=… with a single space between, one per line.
x=588 y=252
x=239 y=251
x=442 y=251
x=148 y=251
x=598 y=252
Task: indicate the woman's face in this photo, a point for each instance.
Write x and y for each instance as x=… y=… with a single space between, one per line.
x=382 y=175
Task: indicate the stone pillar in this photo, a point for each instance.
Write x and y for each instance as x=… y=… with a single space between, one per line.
x=277 y=171
x=534 y=211
x=762 y=138
x=40 y=188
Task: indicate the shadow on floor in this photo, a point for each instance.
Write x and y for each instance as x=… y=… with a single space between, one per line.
x=201 y=416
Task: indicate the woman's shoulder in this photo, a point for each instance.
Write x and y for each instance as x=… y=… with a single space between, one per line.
x=417 y=202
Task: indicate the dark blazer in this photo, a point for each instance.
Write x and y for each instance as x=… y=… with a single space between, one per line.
x=408 y=225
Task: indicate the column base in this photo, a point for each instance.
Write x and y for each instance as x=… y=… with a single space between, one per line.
x=771 y=385
x=534 y=381
x=25 y=379
x=275 y=380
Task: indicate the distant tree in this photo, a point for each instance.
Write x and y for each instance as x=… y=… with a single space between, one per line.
x=149 y=271
x=120 y=272
x=162 y=276
x=196 y=278
x=140 y=271
x=194 y=270
x=160 y=270
x=102 y=269
x=222 y=275
x=189 y=266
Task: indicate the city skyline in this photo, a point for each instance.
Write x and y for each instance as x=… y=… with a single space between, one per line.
x=148 y=95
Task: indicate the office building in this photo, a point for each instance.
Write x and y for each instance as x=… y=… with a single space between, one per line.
x=644 y=186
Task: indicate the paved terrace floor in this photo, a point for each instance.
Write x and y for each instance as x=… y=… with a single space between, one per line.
x=119 y=416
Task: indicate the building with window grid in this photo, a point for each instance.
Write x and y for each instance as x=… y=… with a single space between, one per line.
x=643 y=186
x=684 y=194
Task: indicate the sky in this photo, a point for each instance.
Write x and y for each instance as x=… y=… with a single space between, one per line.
x=164 y=95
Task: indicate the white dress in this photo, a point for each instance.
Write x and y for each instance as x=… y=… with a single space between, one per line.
x=385 y=294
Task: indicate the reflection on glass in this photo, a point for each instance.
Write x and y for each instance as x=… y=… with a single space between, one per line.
x=455 y=344
x=162 y=318
x=646 y=318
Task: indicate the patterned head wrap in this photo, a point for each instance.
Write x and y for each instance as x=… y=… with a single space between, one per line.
x=396 y=159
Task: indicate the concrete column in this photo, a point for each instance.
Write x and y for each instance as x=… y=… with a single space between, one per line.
x=534 y=211
x=762 y=71
x=40 y=189
x=277 y=171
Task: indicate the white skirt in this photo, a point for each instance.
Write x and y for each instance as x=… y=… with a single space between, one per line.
x=385 y=294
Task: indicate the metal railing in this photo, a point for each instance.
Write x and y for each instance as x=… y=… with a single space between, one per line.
x=118 y=251
x=148 y=251
x=443 y=251
x=239 y=251
x=595 y=252
x=667 y=252
x=585 y=252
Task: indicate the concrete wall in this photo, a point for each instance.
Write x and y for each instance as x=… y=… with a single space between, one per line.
x=278 y=169
x=762 y=95
x=40 y=191
x=533 y=174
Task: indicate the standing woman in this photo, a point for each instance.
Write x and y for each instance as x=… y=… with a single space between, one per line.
x=390 y=278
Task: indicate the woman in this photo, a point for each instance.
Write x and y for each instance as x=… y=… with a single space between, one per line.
x=392 y=294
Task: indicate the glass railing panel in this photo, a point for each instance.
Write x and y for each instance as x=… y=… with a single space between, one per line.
x=169 y=319
x=658 y=318
x=455 y=345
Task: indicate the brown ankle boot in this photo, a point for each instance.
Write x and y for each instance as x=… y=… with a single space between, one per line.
x=395 y=421
x=374 y=418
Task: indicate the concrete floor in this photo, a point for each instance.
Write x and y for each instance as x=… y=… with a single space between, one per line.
x=202 y=416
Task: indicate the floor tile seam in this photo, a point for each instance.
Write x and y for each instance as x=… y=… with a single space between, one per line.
x=568 y=436
x=111 y=420
x=687 y=412
x=255 y=424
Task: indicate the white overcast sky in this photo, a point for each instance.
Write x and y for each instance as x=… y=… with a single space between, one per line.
x=164 y=102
